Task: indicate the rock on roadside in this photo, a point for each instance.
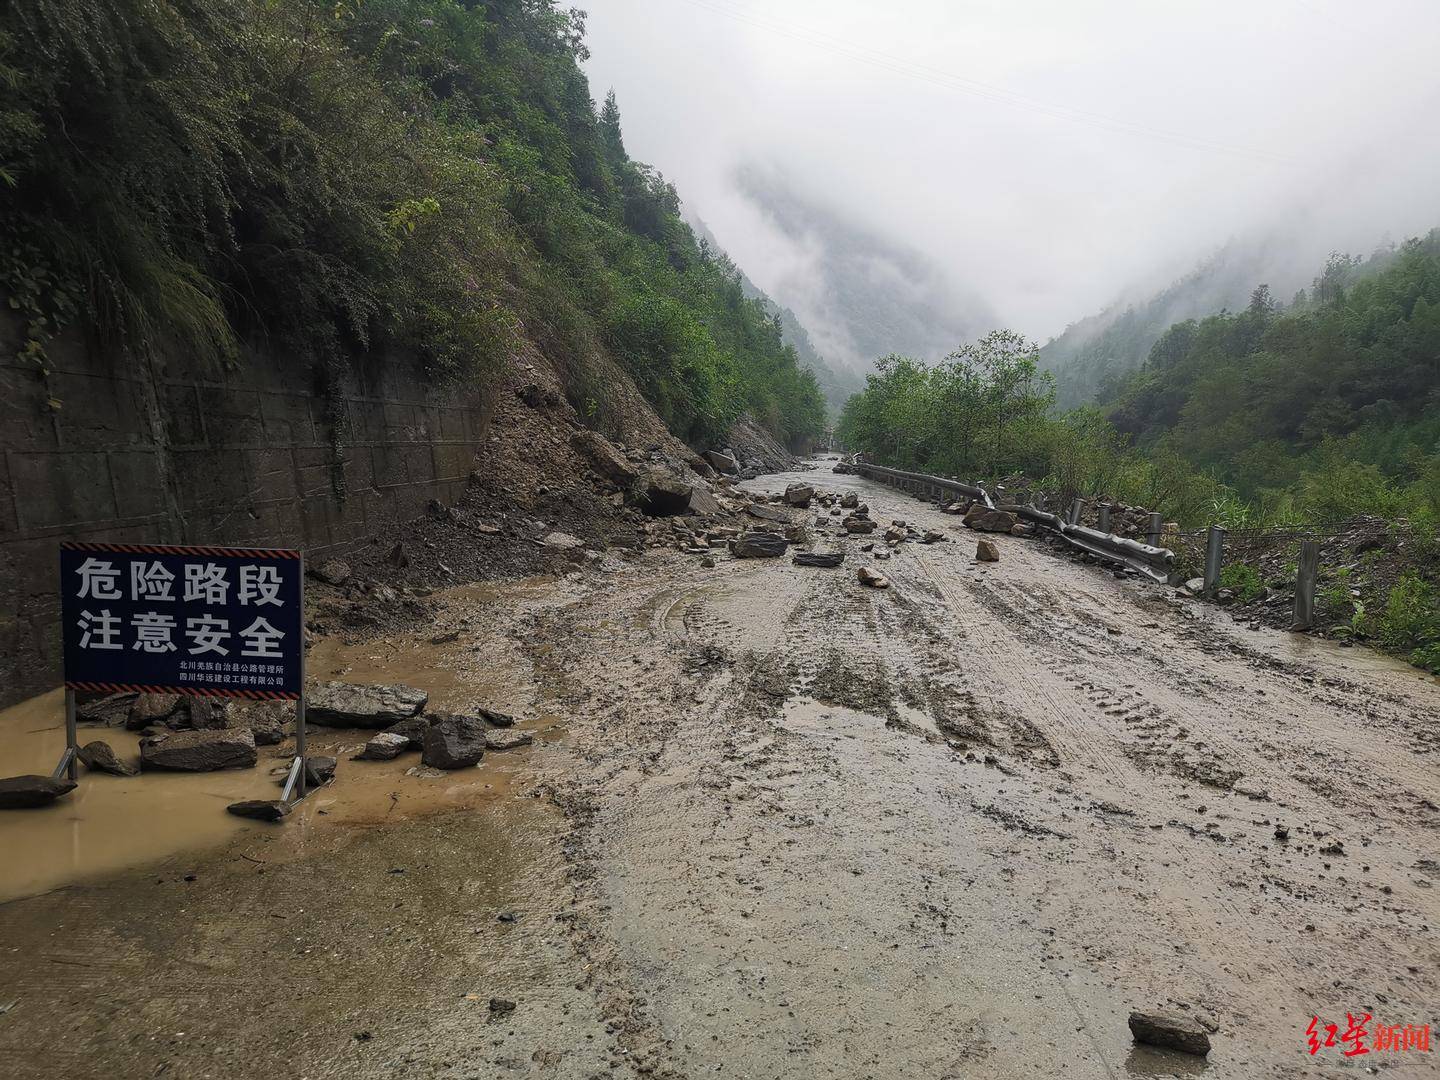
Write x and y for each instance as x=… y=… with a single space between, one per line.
x=1171 y=1030
x=25 y=792
x=259 y=809
x=799 y=494
x=336 y=704
x=386 y=746
x=872 y=578
x=986 y=551
x=199 y=751
x=507 y=739
x=99 y=757
x=760 y=545
x=453 y=742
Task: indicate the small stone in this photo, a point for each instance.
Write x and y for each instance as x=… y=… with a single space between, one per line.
x=986 y=551
x=385 y=746
x=99 y=757
x=503 y=739
x=319 y=770
x=259 y=809
x=149 y=709
x=332 y=572
x=873 y=578
x=500 y=1005
x=1171 y=1030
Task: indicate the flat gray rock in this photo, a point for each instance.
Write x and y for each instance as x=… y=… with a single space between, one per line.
x=818 y=558
x=760 y=545
x=336 y=704
x=507 y=740
x=386 y=746
x=25 y=792
x=199 y=751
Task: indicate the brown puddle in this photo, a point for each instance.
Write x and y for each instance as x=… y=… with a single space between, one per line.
x=110 y=823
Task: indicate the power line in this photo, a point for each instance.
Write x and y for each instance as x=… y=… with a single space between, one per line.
x=908 y=68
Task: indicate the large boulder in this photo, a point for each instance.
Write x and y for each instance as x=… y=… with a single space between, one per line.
x=1171 y=1030
x=760 y=545
x=336 y=704
x=799 y=494
x=453 y=741
x=703 y=502
x=722 y=461
x=601 y=455
x=24 y=792
x=662 y=494
x=97 y=756
x=199 y=751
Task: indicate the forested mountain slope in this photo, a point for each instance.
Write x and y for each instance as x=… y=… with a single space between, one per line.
x=329 y=178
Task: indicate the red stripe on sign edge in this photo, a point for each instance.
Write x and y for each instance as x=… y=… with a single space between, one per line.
x=181 y=549
x=183 y=691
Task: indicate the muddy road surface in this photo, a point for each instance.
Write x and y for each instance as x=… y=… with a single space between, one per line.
x=777 y=824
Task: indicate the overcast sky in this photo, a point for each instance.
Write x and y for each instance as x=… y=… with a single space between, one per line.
x=1047 y=155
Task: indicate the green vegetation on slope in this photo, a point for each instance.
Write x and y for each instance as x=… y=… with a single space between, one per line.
x=329 y=178
x=1316 y=414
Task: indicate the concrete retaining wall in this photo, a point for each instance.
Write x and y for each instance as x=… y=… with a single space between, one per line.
x=103 y=447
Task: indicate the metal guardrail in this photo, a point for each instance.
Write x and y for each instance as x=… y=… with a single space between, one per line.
x=1152 y=561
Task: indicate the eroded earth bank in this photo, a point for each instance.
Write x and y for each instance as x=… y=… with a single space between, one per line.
x=776 y=824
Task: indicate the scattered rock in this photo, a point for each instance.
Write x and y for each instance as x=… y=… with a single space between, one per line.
x=933 y=536
x=109 y=711
x=1195 y=585
x=259 y=809
x=25 y=792
x=453 y=741
x=99 y=757
x=985 y=520
x=760 y=545
x=149 y=709
x=560 y=541
x=336 y=704
x=1020 y=528
x=827 y=559
x=986 y=551
x=495 y=719
x=601 y=455
x=507 y=739
x=722 y=461
x=332 y=572
x=702 y=502
x=385 y=746
x=1171 y=1030
x=319 y=770
x=411 y=728
x=500 y=1005
x=859 y=525
x=767 y=513
x=872 y=578
x=849 y=500
x=199 y=751
x=799 y=495
x=268 y=721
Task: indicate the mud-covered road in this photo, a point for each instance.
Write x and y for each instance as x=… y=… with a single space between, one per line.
x=781 y=825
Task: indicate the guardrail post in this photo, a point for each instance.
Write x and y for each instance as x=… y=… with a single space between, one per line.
x=1075 y=508
x=1214 y=545
x=1309 y=570
x=1152 y=530
x=1105 y=518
